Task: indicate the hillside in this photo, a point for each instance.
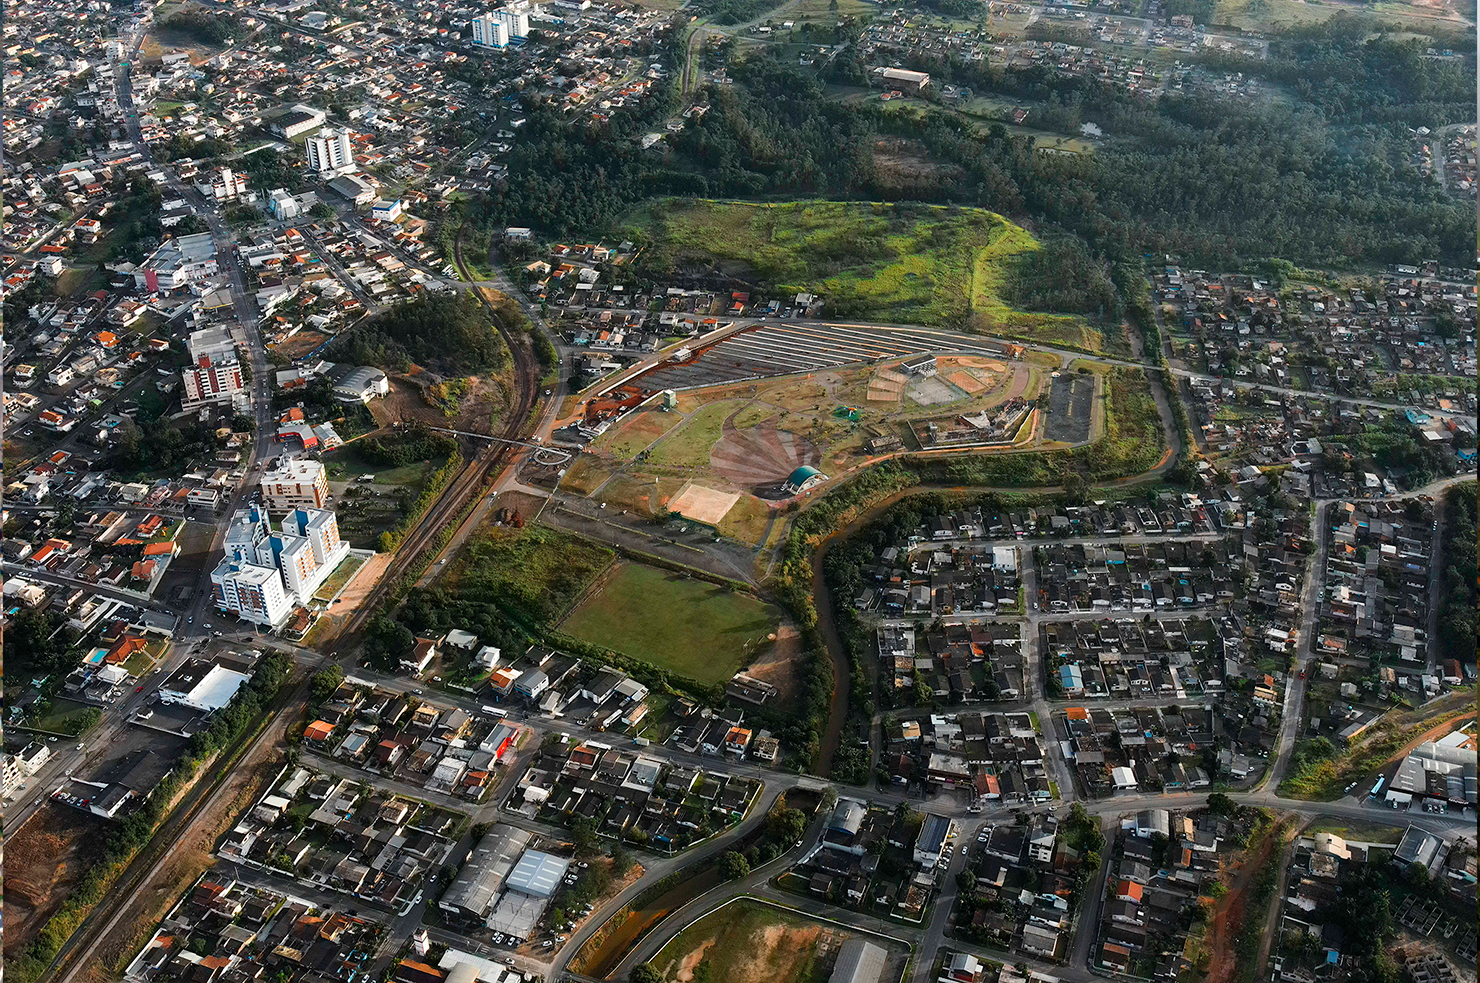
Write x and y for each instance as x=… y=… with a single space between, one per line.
x=905 y=263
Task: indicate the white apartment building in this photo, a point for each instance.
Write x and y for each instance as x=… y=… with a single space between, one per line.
x=489 y=31
x=226 y=186
x=295 y=484
x=214 y=374
x=265 y=574
x=321 y=528
x=515 y=18
x=330 y=151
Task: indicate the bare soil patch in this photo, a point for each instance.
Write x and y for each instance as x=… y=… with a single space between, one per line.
x=777 y=665
x=44 y=861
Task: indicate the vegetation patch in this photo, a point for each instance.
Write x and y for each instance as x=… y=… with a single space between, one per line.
x=452 y=334
x=692 y=628
x=942 y=265
x=1320 y=771
x=536 y=572
x=743 y=942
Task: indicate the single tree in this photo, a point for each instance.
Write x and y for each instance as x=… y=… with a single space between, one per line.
x=733 y=866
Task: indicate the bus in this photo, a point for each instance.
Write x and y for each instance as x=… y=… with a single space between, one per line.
x=493 y=712
x=1377 y=787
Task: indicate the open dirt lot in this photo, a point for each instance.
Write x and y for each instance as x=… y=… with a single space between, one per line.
x=707 y=505
x=44 y=860
x=743 y=944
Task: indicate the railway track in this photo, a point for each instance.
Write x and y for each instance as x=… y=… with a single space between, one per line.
x=487 y=460
x=76 y=953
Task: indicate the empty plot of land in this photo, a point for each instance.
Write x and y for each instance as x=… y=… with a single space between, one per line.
x=690 y=627
x=1070 y=401
x=743 y=943
x=706 y=505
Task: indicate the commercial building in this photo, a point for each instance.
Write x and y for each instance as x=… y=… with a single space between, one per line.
x=329 y=151
x=176 y=263
x=202 y=685
x=471 y=895
x=299 y=119
x=932 y=839
x=358 y=383
x=295 y=484
x=858 y=962
x=904 y=78
x=528 y=890
x=214 y=375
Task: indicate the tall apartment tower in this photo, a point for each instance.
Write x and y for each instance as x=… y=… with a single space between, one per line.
x=329 y=150
x=489 y=31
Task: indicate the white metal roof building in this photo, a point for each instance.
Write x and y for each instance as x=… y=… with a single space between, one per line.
x=538 y=873
x=527 y=891
x=858 y=962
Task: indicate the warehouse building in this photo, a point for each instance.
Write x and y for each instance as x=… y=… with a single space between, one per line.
x=471 y=895
x=527 y=893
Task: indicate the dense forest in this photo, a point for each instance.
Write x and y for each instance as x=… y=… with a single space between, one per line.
x=204 y=26
x=449 y=333
x=1325 y=180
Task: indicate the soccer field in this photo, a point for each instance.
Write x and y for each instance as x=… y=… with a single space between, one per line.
x=690 y=627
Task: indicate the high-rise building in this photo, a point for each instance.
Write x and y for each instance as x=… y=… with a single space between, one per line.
x=295 y=484
x=515 y=18
x=329 y=151
x=321 y=528
x=254 y=592
x=214 y=375
x=226 y=185
x=490 y=31
x=265 y=573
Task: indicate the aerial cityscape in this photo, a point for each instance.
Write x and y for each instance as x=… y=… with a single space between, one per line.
x=739 y=491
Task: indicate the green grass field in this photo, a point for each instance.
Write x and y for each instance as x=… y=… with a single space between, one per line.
x=345 y=464
x=909 y=263
x=347 y=568
x=689 y=445
x=691 y=627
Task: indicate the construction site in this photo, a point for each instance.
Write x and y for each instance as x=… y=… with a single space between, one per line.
x=725 y=431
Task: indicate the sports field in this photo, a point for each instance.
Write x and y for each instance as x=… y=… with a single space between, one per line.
x=690 y=627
